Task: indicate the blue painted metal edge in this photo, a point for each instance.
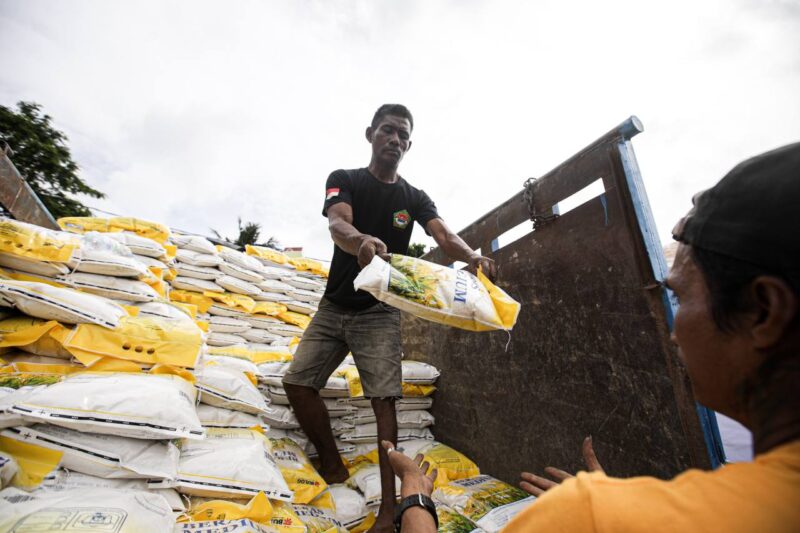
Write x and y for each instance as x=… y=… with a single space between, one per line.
x=647 y=225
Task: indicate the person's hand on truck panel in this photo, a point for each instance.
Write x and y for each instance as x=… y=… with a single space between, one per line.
x=537 y=485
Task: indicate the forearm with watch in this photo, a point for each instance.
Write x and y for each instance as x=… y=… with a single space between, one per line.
x=416 y=512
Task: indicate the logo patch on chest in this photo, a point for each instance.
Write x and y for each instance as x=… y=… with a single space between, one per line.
x=401 y=219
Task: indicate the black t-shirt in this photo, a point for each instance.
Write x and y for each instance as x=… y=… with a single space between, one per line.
x=384 y=210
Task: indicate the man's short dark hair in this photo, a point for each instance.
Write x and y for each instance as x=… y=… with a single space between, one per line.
x=727 y=279
x=396 y=110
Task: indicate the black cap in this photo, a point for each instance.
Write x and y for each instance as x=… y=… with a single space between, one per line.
x=752 y=214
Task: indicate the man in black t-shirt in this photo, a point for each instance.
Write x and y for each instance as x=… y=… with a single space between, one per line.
x=371 y=212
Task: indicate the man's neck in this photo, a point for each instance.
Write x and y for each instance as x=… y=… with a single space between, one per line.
x=774 y=409
x=382 y=172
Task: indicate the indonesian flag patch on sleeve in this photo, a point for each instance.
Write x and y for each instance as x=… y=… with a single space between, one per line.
x=331 y=193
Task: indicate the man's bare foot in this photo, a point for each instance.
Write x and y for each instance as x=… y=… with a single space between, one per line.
x=337 y=474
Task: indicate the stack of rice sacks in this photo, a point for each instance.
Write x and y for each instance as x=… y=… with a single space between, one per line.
x=142 y=370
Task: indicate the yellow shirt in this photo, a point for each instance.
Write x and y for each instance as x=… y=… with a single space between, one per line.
x=762 y=496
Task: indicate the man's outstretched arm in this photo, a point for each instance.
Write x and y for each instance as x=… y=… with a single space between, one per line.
x=349 y=239
x=455 y=248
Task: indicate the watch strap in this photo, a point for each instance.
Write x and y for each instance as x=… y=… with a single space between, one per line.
x=415 y=500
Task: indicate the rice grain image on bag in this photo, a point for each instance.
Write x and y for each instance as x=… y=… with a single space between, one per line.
x=439 y=293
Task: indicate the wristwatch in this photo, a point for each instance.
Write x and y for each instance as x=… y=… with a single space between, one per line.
x=415 y=500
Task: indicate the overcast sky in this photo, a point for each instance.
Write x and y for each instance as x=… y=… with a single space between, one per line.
x=193 y=113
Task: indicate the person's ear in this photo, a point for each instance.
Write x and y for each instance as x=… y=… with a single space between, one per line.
x=368 y=134
x=777 y=306
x=409 y=145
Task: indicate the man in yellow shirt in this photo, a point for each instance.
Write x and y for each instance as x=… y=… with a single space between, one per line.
x=737 y=277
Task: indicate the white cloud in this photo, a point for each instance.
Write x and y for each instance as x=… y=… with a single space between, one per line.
x=194 y=113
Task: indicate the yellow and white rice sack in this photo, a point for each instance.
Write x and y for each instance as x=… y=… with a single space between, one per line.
x=488 y=502
x=64 y=305
x=439 y=293
x=120 y=511
x=229 y=388
x=297 y=470
x=105 y=456
x=128 y=404
x=230 y=463
x=221 y=418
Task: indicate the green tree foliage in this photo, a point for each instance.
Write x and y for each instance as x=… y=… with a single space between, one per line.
x=249 y=232
x=416 y=249
x=42 y=157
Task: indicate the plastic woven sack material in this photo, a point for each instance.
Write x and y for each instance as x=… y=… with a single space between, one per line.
x=24 y=264
x=295 y=319
x=302 y=282
x=298 y=472
x=244 y=274
x=238 y=286
x=143 y=406
x=164 y=311
x=8 y=469
x=120 y=511
x=99 y=254
x=215 y=338
x=257 y=353
x=224 y=310
x=274 y=297
x=64 y=480
x=151 y=262
x=369 y=433
x=64 y=305
x=8 y=396
x=197 y=272
x=196 y=285
x=268 y=256
x=232 y=389
x=242 y=525
x=419 y=372
x=234 y=363
x=219 y=417
x=139 y=245
x=488 y=502
x=34 y=242
x=32 y=335
x=224 y=324
x=341 y=446
x=318 y=520
x=235 y=257
x=272 y=285
x=258 y=335
x=285 y=330
x=401 y=404
x=280 y=417
x=114 y=288
x=272 y=372
x=366 y=477
x=302 y=295
x=351 y=507
x=194 y=243
x=258 y=509
x=142 y=339
x=338 y=408
x=197 y=258
x=270 y=272
x=451 y=521
x=144 y=228
x=104 y=456
x=230 y=464
x=306 y=308
x=262 y=321
x=295 y=434
x=439 y=293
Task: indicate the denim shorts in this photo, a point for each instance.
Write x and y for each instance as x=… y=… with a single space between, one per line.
x=372 y=335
